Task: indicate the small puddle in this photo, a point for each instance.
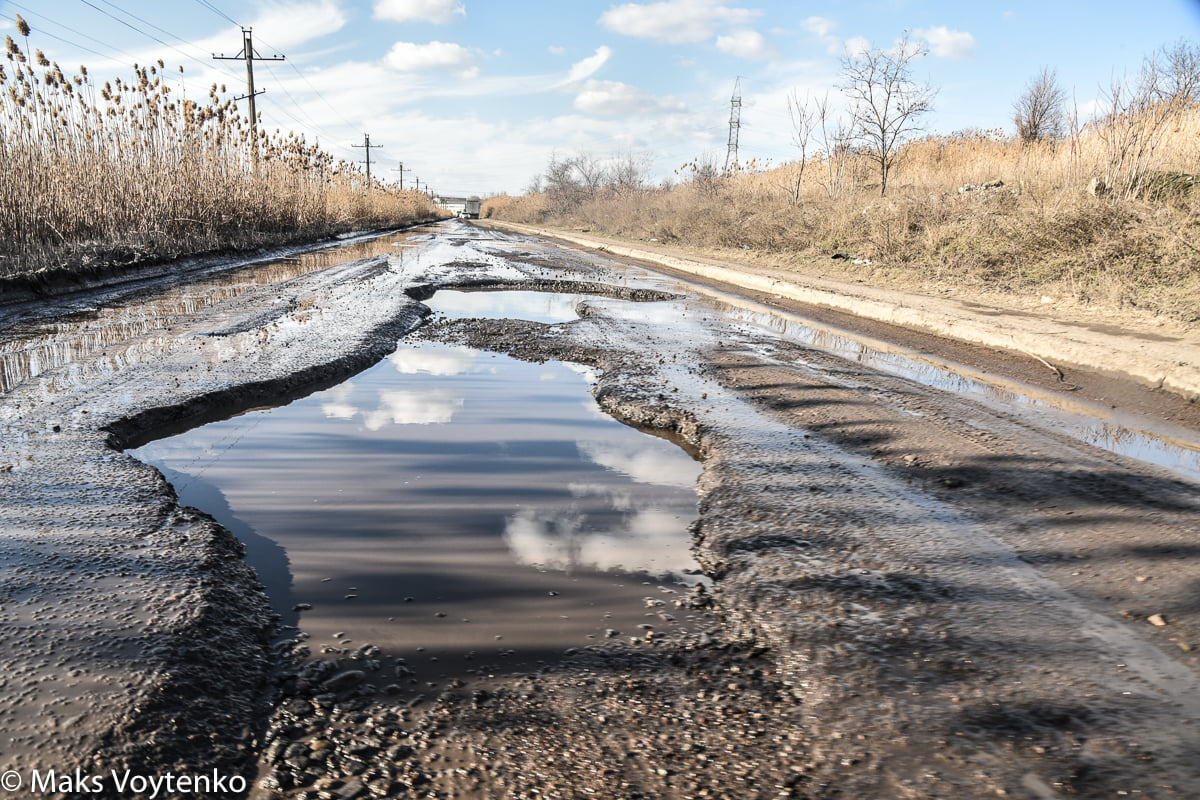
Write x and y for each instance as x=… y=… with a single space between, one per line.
x=464 y=511
x=548 y=307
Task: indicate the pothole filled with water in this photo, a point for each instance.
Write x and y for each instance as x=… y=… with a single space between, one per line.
x=549 y=307
x=461 y=510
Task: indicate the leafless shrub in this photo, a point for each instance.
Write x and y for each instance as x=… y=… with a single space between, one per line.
x=887 y=103
x=1177 y=69
x=805 y=116
x=1038 y=112
x=1142 y=111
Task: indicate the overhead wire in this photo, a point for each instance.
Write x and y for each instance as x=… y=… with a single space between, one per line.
x=316 y=91
x=218 y=11
x=153 y=37
x=309 y=122
x=39 y=19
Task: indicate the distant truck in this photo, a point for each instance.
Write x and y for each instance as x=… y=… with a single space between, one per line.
x=471 y=208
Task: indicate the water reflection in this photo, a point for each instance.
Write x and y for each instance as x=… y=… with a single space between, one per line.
x=138 y=326
x=546 y=307
x=446 y=481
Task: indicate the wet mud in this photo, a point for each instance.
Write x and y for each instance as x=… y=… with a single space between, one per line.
x=915 y=594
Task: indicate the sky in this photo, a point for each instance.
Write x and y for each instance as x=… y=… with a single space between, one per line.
x=475 y=96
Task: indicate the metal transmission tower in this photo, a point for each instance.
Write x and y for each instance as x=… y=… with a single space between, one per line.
x=367 y=144
x=249 y=56
x=735 y=124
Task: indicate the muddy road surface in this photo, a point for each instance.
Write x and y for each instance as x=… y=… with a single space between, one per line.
x=921 y=582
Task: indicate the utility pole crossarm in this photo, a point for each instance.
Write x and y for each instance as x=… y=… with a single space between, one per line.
x=367 y=145
x=249 y=56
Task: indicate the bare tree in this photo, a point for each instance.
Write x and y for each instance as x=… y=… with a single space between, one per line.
x=1176 y=71
x=564 y=190
x=627 y=173
x=804 y=124
x=571 y=181
x=837 y=149
x=1038 y=112
x=886 y=102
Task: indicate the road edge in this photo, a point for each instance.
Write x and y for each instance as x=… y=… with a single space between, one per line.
x=1158 y=362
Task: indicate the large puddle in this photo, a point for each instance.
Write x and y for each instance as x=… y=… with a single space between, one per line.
x=461 y=510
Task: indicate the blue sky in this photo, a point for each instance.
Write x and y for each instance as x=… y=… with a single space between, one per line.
x=474 y=96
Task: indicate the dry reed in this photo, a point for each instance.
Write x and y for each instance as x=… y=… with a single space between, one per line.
x=125 y=171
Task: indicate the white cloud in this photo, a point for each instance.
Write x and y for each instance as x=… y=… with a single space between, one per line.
x=857 y=45
x=439 y=12
x=557 y=50
x=746 y=44
x=449 y=361
x=821 y=26
x=645 y=463
x=413 y=408
x=945 y=43
x=588 y=66
x=290 y=25
x=675 y=21
x=412 y=57
x=616 y=98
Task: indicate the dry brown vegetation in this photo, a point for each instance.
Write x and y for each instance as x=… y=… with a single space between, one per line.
x=118 y=172
x=1106 y=215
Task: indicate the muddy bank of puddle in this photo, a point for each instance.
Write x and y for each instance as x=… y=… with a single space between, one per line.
x=462 y=510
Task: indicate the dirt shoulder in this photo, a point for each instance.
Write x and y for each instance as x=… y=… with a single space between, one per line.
x=1150 y=351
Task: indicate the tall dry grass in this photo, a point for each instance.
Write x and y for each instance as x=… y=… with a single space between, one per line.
x=978 y=211
x=126 y=170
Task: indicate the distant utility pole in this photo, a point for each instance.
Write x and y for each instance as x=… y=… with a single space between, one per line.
x=735 y=124
x=400 y=169
x=367 y=144
x=249 y=56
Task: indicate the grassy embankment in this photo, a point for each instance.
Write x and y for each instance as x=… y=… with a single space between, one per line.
x=977 y=214
x=95 y=174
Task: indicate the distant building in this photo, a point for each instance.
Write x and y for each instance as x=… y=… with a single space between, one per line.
x=459 y=206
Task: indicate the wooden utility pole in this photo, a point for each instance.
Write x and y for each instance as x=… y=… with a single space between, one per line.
x=249 y=56
x=367 y=144
x=400 y=169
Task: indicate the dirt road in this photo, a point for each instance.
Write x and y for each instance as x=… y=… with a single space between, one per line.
x=918 y=592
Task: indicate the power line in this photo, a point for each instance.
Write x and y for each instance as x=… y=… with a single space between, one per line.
x=311 y=123
x=40 y=30
x=367 y=144
x=137 y=30
x=218 y=12
x=316 y=91
x=249 y=56
x=303 y=77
